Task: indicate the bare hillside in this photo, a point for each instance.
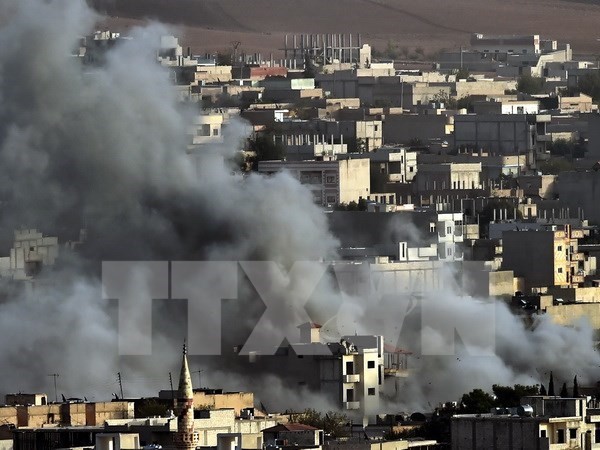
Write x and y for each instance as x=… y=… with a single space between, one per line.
x=431 y=24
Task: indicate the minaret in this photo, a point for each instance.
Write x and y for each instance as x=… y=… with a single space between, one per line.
x=185 y=438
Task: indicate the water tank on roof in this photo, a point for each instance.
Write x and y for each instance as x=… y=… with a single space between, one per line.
x=525 y=410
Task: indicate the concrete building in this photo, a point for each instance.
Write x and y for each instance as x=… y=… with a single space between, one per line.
x=69 y=413
x=31 y=252
x=407 y=128
x=580 y=193
x=506 y=44
x=539 y=423
x=331 y=182
x=502 y=134
x=494 y=106
x=217 y=399
x=26 y=399
x=349 y=373
x=206 y=129
x=292 y=434
x=546 y=257
x=448 y=176
x=117 y=441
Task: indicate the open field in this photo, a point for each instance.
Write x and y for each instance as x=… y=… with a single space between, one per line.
x=209 y=25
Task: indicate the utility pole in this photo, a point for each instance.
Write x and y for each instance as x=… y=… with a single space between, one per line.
x=55 y=376
x=120 y=380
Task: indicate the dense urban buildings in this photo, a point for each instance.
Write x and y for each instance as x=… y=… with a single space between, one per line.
x=362 y=247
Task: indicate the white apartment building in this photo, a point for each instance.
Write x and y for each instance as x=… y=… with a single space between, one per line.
x=30 y=252
x=331 y=182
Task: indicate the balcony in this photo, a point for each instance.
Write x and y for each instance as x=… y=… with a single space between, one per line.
x=577 y=257
x=576 y=279
x=351 y=405
x=354 y=378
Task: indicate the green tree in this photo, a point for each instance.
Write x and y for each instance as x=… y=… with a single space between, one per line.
x=265 y=147
x=332 y=423
x=476 y=402
x=543 y=390
x=551 y=385
x=463 y=74
x=590 y=84
x=554 y=166
x=575 y=387
x=564 y=392
x=530 y=85
x=508 y=396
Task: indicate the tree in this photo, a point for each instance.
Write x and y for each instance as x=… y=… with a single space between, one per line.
x=508 y=396
x=476 y=402
x=463 y=74
x=564 y=392
x=332 y=422
x=265 y=147
x=575 y=387
x=543 y=390
x=554 y=166
x=551 y=384
x=530 y=85
x=590 y=84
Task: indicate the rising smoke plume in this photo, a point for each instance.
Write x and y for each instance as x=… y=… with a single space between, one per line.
x=105 y=148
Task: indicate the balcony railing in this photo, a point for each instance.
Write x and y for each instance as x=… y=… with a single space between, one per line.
x=354 y=378
x=351 y=405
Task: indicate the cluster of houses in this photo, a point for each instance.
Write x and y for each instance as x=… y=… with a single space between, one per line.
x=460 y=152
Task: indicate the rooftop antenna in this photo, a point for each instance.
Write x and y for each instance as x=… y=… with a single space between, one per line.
x=199 y=372
x=120 y=380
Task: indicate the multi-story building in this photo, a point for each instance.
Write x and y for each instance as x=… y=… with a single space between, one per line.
x=331 y=182
x=349 y=373
x=31 y=252
x=541 y=422
x=502 y=134
x=449 y=176
x=545 y=257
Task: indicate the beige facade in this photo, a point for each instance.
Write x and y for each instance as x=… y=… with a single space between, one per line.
x=211 y=399
x=545 y=258
x=448 y=176
x=331 y=182
x=207 y=129
x=553 y=423
x=66 y=414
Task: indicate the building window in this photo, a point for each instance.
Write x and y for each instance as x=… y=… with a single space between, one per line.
x=330 y=179
x=376 y=127
x=560 y=248
x=431 y=227
x=216 y=132
x=371 y=391
x=542 y=433
x=204 y=130
x=560 y=439
x=560 y=270
x=411 y=169
x=572 y=433
x=330 y=199
x=448 y=230
x=370 y=364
